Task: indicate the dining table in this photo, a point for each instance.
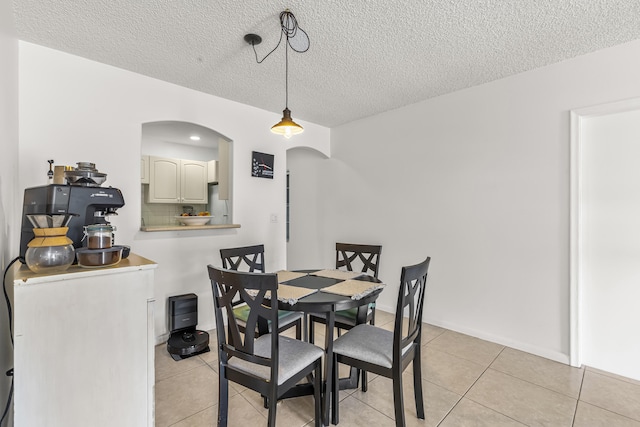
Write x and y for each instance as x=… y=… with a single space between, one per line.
x=327 y=291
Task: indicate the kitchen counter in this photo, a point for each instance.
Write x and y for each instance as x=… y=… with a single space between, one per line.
x=187 y=227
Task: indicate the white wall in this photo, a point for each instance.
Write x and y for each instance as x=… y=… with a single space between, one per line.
x=8 y=177
x=479 y=181
x=73 y=109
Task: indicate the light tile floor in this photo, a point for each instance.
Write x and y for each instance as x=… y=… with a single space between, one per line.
x=466 y=382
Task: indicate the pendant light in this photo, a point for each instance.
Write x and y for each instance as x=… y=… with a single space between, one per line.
x=298 y=40
x=286 y=126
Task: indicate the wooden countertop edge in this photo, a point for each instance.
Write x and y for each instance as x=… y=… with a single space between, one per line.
x=22 y=274
x=152 y=228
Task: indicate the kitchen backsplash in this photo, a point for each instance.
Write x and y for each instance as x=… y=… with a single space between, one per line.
x=161 y=213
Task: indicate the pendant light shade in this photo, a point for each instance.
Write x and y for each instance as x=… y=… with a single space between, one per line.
x=287 y=126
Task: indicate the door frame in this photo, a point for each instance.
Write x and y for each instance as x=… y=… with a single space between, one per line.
x=578 y=118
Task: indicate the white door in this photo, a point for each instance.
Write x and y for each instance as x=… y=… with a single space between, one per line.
x=610 y=243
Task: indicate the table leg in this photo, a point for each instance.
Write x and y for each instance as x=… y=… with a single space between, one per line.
x=328 y=366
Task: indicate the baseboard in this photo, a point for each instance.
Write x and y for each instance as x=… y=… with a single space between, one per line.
x=518 y=345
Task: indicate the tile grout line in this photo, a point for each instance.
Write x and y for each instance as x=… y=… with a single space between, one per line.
x=600 y=407
x=575 y=411
x=471 y=386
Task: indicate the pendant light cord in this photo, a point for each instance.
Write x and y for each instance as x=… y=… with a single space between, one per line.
x=286 y=74
x=299 y=42
x=289 y=27
x=259 y=61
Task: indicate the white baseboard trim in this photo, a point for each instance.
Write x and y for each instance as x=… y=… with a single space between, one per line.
x=518 y=345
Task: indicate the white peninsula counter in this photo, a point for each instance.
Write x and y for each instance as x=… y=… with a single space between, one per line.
x=84 y=346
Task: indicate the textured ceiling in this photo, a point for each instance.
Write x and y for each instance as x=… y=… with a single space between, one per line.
x=366 y=56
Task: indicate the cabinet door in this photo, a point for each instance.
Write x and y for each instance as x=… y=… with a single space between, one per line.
x=194 y=181
x=164 y=180
x=86 y=364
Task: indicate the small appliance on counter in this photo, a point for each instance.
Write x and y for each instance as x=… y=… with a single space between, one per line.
x=83 y=196
x=185 y=341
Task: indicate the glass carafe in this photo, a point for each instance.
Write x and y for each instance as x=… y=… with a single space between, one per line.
x=50 y=251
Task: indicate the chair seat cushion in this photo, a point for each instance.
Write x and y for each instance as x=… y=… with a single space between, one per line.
x=367 y=343
x=241 y=313
x=293 y=356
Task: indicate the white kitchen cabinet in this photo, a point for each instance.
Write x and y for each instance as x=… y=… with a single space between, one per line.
x=193 y=182
x=84 y=346
x=177 y=181
x=144 y=169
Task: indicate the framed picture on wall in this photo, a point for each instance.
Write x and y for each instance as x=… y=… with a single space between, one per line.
x=262 y=165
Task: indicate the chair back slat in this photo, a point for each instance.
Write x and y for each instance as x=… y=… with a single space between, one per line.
x=357 y=257
x=246 y=258
x=411 y=295
x=226 y=286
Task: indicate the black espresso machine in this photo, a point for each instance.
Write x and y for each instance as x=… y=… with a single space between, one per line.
x=92 y=205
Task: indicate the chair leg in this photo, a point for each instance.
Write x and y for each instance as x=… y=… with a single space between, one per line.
x=364 y=381
x=417 y=383
x=223 y=398
x=335 y=393
x=273 y=401
x=398 y=402
x=317 y=395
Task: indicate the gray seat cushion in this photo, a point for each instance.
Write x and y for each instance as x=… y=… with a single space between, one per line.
x=294 y=355
x=368 y=343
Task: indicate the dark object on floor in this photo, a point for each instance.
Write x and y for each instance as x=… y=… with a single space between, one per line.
x=185 y=340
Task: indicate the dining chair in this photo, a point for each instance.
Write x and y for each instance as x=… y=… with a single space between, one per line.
x=352 y=257
x=269 y=364
x=387 y=353
x=251 y=259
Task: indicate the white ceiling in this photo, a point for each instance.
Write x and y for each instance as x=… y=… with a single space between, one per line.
x=366 y=57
